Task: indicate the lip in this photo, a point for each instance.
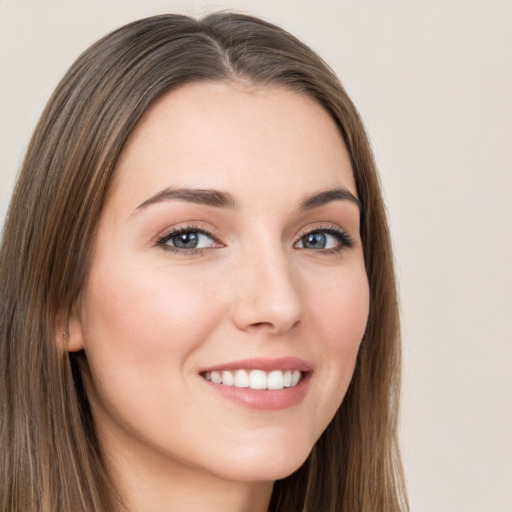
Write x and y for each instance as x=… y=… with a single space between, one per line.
x=263 y=363
x=263 y=400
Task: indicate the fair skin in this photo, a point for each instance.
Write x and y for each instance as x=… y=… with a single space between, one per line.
x=186 y=286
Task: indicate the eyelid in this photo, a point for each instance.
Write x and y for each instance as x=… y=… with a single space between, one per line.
x=344 y=238
x=162 y=239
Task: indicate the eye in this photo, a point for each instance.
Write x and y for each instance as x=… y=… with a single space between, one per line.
x=187 y=239
x=330 y=240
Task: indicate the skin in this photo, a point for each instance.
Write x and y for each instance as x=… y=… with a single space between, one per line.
x=152 y=318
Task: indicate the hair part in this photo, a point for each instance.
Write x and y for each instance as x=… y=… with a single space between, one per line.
x=51 y=460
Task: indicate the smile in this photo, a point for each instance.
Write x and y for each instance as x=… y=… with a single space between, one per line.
x=264 y=384
x=255 y=379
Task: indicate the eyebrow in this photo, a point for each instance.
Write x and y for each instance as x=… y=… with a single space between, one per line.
x=327 y=196
x=218 y=199
x=206 y=197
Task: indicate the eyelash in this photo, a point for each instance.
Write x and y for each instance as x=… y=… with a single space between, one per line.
x=162 y=240
x=343 y=238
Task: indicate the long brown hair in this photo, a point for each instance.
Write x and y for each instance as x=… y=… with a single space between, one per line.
x=50 y=459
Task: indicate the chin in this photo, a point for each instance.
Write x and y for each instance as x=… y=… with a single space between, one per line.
x=267 y=465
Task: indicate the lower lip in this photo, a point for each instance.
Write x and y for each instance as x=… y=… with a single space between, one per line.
x=264 y=399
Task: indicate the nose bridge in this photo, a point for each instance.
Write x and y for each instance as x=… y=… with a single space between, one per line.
x=268 y=290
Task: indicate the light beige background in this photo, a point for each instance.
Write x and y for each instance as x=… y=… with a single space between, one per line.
x=433 y=81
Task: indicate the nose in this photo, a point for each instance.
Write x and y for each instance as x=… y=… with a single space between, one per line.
x=267 y=294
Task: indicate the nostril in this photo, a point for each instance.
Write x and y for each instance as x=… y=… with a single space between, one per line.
x=278 y=326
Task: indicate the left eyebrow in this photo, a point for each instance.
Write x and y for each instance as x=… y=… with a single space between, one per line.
x=327 y=196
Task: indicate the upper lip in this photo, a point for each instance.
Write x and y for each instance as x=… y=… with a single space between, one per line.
x=263 y=363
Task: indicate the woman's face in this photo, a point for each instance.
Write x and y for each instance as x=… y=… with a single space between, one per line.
x=227 y=255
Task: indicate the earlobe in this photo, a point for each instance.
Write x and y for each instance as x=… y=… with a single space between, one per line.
x=69 y=336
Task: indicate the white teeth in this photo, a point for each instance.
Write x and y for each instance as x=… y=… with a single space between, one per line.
x=227 y=378
x=255 y=379
x=275 y=380
x=241 y=379
x=258 y=379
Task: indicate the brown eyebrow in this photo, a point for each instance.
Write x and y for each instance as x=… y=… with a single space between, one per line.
x=218 y=199
x=322 y=198
x=207 y=197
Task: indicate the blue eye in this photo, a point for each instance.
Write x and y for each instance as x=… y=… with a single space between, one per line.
x=187 y=238
x=325 y=239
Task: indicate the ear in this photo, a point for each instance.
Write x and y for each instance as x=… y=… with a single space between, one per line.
x=68 y=335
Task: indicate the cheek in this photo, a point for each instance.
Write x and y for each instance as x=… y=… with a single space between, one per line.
x=341 y=313
x=143 y=311
x=342 y=309
x=139 y=329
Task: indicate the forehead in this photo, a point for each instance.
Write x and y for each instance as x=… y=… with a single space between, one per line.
x=215 y=135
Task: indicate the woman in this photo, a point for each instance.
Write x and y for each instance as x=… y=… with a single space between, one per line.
x=198 y=299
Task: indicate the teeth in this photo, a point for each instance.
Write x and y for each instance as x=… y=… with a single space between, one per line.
x=227 y=378
x=241 y=379
x=255 y=379
x=275 y=380
x=258 y=379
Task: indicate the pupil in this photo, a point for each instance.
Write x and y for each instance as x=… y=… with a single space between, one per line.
x=315 y=241
x=186 y=240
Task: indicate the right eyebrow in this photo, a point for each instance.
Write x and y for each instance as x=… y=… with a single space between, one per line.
x=208 y=197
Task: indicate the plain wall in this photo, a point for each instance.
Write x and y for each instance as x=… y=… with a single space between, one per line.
x=433 y=81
